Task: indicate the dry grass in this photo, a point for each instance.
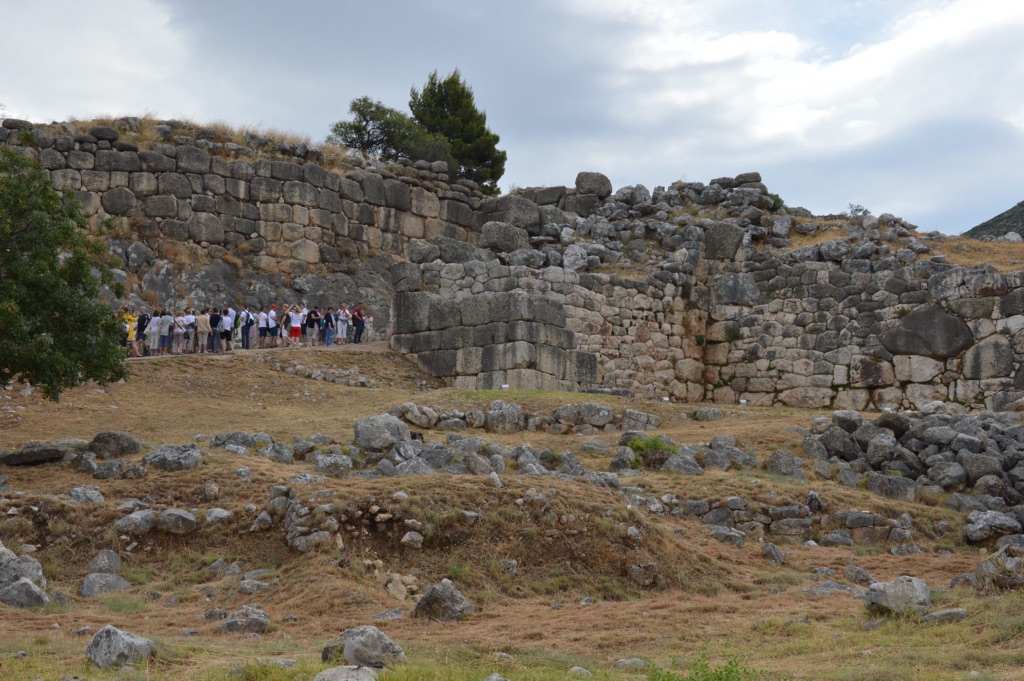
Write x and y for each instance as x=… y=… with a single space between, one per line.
x=711 y=594
x=144 y=134
x=1003 y=256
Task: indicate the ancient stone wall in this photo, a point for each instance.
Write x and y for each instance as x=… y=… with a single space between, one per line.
x=822 y=327
x=191 y=203
x=692 y=292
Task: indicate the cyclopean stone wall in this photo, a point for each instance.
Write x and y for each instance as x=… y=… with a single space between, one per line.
x=201 y=222
x=693 y=292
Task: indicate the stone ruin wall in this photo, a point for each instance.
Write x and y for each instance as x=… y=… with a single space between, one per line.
x=821 y=327
x=846 y=323
x=191 y=207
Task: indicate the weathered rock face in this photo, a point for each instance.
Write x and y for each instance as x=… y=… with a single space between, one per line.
x=364 y=646
x=114 y=445
x=898 y=455
x=443 y=602
x=174 y=458
x=111 y=647
x=380 y=433
x=904 y=594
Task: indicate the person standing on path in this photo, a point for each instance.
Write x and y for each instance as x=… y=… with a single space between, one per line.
x=203 y=330
x=247 y=322
x=272 y=328
x=344 y=321
x=216 y=321
x=329 y=323
x=358 y=323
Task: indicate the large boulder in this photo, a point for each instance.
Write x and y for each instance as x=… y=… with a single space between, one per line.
x=175 y=457
x=902 y=595
x=891 y=486
x=176 y=521
x=362 y=646
x=982 y=525
x=23 y=593
x=112 y=647
x=98 y=584
x=503 y=417
x=114 y=445
x=34 y=454
x=137 y=522
x=782 y=462
x=334 y=465
x=249 y=619
x=443 y=602
x=106 y=562
x=1003 y=569
x=594 y=183
x=380 y=433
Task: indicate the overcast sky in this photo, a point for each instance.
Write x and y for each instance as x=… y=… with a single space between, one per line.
x=911 y=107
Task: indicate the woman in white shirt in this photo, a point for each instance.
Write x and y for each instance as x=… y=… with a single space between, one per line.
x=179 y=333
x=296 y=322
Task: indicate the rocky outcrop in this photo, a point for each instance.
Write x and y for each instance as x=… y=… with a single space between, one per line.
x=975 y=459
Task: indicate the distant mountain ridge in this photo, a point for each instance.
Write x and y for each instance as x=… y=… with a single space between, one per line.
x=1008 y=221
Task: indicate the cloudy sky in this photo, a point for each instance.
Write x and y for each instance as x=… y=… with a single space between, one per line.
x=912 y=107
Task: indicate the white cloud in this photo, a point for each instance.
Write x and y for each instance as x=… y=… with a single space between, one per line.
x=644 y=90
x=120 y=57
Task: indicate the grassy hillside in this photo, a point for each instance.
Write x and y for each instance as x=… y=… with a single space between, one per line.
x=570 y=602
x=1008 y=221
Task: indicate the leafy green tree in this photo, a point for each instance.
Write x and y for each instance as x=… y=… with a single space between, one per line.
x=856 y=210
x=387 y=133
x=447 y=107
x=55 y=331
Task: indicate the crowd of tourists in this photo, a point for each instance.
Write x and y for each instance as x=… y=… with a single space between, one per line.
x=185 y=331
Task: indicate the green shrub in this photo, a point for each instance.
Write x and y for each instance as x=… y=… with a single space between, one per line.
x=701 y=669
x=652 y=450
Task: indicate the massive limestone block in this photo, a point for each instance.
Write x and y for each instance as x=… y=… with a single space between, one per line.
x=1012 y=304
x=991 y=358
x=410 y=312
x=515 y=210
x=594 y=183
x=193 y=160
x=206 y=227
x=737 y=289
x=118 y=201
x=503 y=237
x=916 y=369
x=722 y=240
x=868 y=372
x=929 y=330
